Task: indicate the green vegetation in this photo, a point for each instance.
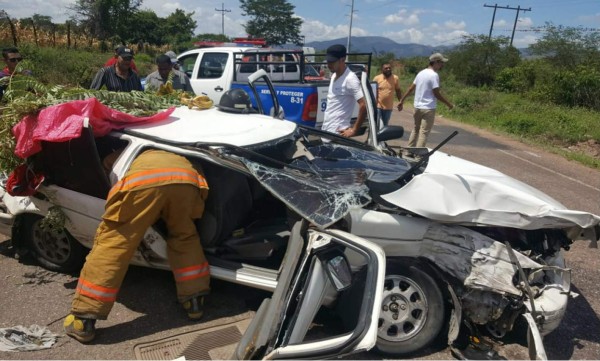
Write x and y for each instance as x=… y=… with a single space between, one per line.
x=25 y=95
x=551 y=126
x=550 y=100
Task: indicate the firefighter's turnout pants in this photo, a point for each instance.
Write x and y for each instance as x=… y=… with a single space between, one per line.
x=159 y=185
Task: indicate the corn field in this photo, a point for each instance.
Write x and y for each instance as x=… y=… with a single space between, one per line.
x=17 y=32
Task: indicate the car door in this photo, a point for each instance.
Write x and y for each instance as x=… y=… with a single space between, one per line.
x=76 y=182
x=318 y=264
x=209 y=72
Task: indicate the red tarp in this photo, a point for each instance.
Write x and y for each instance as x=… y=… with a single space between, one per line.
x=62 y=122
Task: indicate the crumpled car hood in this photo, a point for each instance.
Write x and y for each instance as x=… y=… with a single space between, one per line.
x=453 y=190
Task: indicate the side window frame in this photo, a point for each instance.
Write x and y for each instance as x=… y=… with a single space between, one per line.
x=212 y=65
x=188 y=63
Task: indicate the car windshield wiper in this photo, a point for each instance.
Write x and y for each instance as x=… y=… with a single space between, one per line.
x=379 y=188
x=424 y=159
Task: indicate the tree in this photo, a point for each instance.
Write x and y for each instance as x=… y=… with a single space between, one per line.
x=477 y=59
x=145 y=26
x=567 y=47
x=272 y=20
x=178 y=27
x=104 y=19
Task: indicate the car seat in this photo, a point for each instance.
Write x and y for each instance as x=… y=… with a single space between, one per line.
x=227 y=207
x=228 y=229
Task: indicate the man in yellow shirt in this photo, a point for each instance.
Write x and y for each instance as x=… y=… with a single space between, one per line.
x=387 y=84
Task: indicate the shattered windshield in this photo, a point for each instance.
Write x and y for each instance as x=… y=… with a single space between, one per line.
x=324 y=188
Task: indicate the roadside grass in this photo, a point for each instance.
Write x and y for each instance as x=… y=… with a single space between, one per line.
x=558 y=129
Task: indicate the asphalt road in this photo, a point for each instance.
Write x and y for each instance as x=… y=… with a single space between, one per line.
x=146 y=309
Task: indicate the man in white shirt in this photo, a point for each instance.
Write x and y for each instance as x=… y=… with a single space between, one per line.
x=344 y=92
x=427 y=90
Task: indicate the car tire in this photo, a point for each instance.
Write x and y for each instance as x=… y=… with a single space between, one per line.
x=59 y=252
x=412 y=311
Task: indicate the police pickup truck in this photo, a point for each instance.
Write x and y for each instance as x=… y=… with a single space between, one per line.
x=301 y=94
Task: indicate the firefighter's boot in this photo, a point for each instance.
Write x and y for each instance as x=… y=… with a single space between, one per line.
x=194 y=307
x=81 y=329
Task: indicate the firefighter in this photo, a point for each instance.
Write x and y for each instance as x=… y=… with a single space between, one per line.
x=159 y=185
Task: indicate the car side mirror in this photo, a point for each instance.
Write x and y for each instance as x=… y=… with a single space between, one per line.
x=338 y=271
x=390 y=132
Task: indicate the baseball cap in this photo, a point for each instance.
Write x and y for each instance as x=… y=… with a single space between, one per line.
x=171 y=54
x=125 y=52
x=336 y=52
x=438 y=57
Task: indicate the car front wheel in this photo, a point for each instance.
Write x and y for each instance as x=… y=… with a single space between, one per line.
x=55 y=251
x=412 y=310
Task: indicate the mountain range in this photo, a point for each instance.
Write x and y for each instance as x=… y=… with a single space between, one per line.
x=379 y=45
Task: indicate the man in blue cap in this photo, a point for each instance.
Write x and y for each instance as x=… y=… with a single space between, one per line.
x=344 y=92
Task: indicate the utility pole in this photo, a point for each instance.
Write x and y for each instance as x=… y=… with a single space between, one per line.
x=518 y=8
x=223 y=11
x=350 y=28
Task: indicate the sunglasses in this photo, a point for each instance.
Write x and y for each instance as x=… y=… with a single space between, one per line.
x=14 y=60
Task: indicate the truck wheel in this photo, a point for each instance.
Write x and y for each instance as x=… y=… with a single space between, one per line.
x=58 y=252
x=412 y=310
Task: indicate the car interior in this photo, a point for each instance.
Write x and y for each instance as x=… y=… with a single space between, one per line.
x=243 y=224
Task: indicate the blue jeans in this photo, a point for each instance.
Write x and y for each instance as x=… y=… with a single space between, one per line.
x=383 y=117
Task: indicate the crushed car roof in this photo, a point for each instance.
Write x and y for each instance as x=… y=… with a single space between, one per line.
x=214 y=126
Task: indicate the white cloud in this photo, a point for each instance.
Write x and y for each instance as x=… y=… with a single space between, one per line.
x=402 y=17
x=500 y=22
x=524 y=41
x=525 y=23
x=455 y=25
x=592 y=18
x=411 y=35
x=451 y=37
x=317 y=31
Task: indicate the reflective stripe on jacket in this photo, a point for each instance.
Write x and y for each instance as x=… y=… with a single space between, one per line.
x=154 y=168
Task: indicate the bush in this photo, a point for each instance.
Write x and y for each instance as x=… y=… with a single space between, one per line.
x=72 y=67
x=579 y=87
x=518 y=79
x=63 y=66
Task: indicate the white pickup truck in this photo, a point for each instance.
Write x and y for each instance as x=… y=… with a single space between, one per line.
x=302 y=96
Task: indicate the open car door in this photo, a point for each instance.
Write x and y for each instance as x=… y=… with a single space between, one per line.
x=319 y=265
x=377 y=132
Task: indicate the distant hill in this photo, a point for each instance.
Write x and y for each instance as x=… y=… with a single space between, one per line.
x=378 y=45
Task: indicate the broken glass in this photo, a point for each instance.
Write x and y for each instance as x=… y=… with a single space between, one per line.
x=334 y=181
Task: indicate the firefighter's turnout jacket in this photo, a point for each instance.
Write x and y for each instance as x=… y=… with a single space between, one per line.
x=159 y=185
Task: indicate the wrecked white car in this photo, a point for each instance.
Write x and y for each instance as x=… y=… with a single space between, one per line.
x=399 y=249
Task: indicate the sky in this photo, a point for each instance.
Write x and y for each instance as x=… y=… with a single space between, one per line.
x=428 y=22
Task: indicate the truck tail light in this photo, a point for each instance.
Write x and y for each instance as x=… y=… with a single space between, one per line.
x=309 y=114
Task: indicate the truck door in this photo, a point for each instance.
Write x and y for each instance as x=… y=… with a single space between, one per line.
x=208 y=73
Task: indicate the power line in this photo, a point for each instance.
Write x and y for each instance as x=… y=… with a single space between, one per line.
x=223 y=11
x=495 y=6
